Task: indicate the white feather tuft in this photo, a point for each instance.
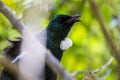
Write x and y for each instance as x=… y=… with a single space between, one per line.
x=65 y=44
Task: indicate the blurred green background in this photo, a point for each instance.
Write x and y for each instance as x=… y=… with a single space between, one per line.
x=90 y=50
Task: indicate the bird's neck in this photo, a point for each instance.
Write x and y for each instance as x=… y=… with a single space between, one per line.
x=53 y=43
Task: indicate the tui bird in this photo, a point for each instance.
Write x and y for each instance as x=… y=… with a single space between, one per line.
x=55 y=33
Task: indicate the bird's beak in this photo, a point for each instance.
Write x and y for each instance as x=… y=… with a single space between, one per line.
x=73 y=19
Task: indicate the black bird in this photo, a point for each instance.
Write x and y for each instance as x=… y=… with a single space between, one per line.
x=56 y=31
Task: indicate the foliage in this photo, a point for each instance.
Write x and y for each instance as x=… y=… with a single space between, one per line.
x=90 y=49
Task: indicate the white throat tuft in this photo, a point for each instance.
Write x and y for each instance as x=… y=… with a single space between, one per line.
x=65 y=44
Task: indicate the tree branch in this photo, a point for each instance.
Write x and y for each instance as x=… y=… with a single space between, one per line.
x=55 y=66
x=95 y=10
x=14 y=21
x=51 y=61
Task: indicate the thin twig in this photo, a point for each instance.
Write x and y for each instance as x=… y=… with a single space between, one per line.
x=73 y=74
x=51 y=61
x=103 y=67
x=91 y=73
x=95 y=10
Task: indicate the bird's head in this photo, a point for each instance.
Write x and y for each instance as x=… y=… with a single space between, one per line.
x=62 y=24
